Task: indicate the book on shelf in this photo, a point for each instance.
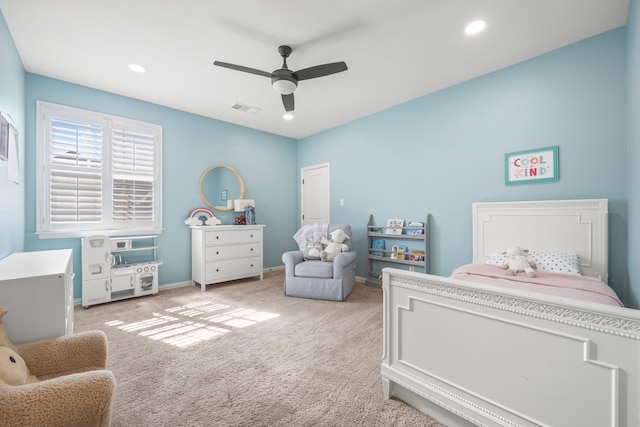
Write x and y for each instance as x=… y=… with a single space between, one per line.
x=416 y=255
x=415 y=227
x=376 y=230
x=398 y=252
x=402 y=252
x=394 y=252
x=377 y=246
x=394 y=226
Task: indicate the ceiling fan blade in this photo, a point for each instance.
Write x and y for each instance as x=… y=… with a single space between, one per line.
x=287 y=100
x=321 y=70
x=242 y=68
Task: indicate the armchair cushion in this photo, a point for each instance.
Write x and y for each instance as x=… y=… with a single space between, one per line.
x=83 y=399
x=314 y=269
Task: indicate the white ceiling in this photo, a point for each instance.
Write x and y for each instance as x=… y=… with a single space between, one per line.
x=395 y=50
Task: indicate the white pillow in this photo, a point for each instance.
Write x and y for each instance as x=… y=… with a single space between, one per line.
x=496 y=259
x=549 y=261
x=557 y=262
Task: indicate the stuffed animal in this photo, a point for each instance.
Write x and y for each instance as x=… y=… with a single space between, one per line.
x=312 y=251
x=334 y=246
x=13 y=369
x=516 y=260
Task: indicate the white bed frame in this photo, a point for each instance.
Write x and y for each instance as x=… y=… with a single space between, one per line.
x=471 y=354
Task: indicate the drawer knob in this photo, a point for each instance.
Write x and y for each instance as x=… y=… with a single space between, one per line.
x=217 y=269
x=217 y=252
x=251 y=249
x=217 y=237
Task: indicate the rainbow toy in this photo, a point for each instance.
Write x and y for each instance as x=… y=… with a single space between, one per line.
x=200 y=216
x=196 y=211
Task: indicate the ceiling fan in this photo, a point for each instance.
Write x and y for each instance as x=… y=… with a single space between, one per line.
x=284 y=80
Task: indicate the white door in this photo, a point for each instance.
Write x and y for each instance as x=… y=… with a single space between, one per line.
x=315 y=194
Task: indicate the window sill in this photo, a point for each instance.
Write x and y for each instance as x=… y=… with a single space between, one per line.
x=67 y=234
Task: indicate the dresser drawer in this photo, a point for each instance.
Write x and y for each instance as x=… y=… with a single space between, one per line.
x=230 y=237
x=214 y=253
x=216 y=270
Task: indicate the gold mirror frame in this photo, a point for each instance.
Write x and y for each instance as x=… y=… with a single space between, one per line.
x=229 y=168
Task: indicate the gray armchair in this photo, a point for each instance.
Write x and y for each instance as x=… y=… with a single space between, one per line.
x=321 y=279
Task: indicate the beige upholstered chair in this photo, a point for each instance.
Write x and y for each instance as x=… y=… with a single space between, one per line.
x=74 y=389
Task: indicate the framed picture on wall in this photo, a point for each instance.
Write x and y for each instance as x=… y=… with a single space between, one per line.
x=4 y=137
x=9 y=147
x=529 y=166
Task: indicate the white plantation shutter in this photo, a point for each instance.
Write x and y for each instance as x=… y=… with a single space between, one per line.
x=133 y=155
x=75 y=174
x=99 y=172
x=75 y=197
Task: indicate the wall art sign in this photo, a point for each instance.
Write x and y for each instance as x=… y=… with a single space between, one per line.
x=538 y=165
x=9 y=147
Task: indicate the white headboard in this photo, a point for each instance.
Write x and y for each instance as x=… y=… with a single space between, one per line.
x=577 y=226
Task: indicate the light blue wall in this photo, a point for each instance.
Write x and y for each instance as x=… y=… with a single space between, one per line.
x=441 y=152
x=191 y=144
x=633 y=151
x=435 y=154
x=12 y=78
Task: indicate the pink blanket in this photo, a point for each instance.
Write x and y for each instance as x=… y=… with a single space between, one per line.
x=563 y=285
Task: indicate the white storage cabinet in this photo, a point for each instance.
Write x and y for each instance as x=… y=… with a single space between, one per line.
x=225 y=252
x=37 y=288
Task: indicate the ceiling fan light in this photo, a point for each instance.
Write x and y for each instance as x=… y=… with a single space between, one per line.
x=284 y=87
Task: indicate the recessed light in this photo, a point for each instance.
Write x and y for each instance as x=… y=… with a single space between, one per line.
x=475 y=27
x=137 y=68
x=288 y=116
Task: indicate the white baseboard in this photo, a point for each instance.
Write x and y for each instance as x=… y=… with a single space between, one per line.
x=174 y=285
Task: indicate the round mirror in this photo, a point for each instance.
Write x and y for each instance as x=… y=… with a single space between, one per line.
x=220 y=184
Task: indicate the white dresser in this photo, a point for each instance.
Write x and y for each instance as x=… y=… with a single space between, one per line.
x=225 y=252
x=37 y=288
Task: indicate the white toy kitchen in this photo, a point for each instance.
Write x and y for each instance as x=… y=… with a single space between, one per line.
x=115 y=268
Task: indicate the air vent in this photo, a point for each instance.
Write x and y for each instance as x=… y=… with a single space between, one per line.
x=245 y=108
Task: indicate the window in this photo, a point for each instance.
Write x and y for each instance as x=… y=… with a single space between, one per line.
x=100 y=173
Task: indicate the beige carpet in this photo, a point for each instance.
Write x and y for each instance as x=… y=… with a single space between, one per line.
x=243 y=354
